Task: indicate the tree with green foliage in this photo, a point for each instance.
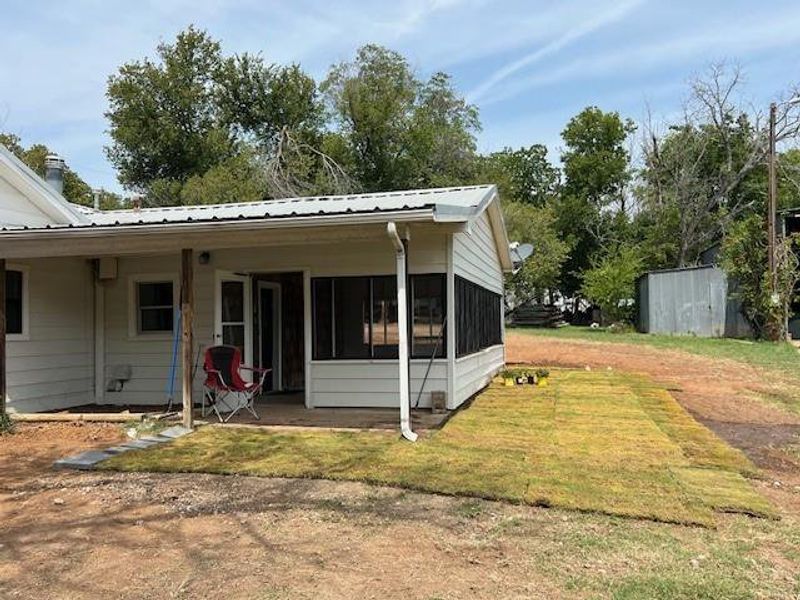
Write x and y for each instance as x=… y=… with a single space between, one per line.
x=240 y=178
x=196 y=113
x=540 y=273
x=611 y=283
x=165 y=119
x=744 y=258
x=396 y=131
x=708 y=171
x=522 y=175
x=592 y=207
x=596 y=158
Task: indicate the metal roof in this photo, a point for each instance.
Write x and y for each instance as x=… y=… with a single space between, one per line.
x=446 y=204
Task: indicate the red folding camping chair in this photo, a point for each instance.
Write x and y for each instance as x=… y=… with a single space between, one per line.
x=225 y=389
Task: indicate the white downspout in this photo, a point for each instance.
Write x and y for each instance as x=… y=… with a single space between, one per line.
x=402 y=325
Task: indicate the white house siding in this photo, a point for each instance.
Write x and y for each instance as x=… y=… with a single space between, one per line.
x=51 y=367
x=372 y=383
x=16 y=209
x=475 y=258
x=474 y=372
x=341 y=383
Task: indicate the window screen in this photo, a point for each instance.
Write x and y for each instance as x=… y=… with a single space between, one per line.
x=428 y=301
x=385 y=329
x=351 y=317
x=356 y=317
x=14 y=302
x=478 y=318
x=322 y=299
x=155 y=306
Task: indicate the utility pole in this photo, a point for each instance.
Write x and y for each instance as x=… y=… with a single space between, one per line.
x=772 y=201
x=772 y=204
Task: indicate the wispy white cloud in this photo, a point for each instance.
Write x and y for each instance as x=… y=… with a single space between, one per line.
x=737 y=37
x=571 y=35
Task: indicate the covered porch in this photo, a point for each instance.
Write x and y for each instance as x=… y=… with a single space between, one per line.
x=142 y=310
x=288 y=410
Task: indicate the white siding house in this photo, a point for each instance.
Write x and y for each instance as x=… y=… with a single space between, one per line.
x=307 y=286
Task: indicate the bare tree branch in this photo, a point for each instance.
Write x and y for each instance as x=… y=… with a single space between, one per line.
x=296 y=168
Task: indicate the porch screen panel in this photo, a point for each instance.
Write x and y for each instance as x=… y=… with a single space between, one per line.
x=13 y=302
x=351 y=317
x=385 y=328
x=478 y=318
x=429 y=307
x=322 y=296
x=357 y=317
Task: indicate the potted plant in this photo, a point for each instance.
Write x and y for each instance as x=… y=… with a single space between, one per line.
x=508 y=378
x=541 y=377
x=531 y=378
x=520 y=379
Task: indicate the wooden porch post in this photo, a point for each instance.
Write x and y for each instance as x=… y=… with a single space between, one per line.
x=2 y=336
x=187 y=314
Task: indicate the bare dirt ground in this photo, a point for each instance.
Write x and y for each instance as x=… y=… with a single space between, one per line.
x=107 y=535
x=103 y=535
x=730 y=398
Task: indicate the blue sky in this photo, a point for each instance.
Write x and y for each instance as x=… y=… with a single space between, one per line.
x=528 y=65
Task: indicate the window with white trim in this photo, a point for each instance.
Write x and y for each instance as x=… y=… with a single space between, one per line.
x=155 y=306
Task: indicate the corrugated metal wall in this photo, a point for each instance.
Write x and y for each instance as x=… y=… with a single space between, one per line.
x=693 y=301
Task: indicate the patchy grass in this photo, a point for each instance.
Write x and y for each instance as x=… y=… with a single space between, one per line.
x=774 y=356
x=605 y=557
x=601 y=442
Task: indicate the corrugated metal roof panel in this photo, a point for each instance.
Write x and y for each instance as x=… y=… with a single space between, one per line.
x=450 y=202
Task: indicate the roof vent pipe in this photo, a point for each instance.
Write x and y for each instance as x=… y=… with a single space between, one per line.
x=54 y=172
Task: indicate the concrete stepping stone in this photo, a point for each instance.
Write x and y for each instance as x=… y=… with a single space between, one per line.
x=156 y=439
x=175 y=432
x=84 y=461
x=114 y=450
x=139 y=444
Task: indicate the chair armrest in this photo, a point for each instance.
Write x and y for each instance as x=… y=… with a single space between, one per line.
x=262 y=373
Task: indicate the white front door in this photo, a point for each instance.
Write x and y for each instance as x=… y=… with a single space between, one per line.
x=233 y=313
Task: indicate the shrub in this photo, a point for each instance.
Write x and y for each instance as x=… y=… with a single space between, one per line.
x=6 y=424
x=611 y=283
x=744 y=259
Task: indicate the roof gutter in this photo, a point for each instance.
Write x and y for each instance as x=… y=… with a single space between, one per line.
x=402 y=325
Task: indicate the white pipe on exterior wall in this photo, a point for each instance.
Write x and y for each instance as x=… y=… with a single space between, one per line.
x=99 y=339
x=402 y=325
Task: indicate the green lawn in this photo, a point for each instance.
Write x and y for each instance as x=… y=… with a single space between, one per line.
x=775 y=356
x=603 y=442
